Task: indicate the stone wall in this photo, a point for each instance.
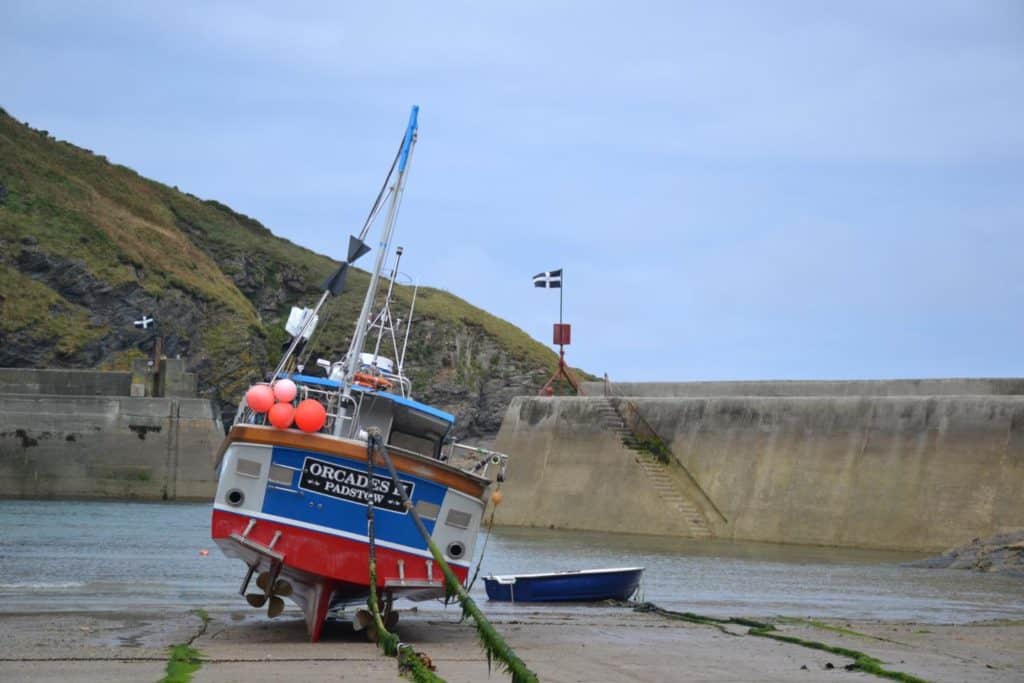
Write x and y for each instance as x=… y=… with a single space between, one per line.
x=903 y=472
x=107 y=447
x=844 y=387
x=31 y=381
x=566 y=472
x=55 y=443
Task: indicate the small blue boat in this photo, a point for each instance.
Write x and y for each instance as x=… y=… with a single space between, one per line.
x=581 y=585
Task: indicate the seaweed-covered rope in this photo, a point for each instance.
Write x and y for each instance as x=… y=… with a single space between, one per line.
x=493 y=644
x=409 y=661
x=861 y=661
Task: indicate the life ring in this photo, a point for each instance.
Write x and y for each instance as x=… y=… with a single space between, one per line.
x=368 y=380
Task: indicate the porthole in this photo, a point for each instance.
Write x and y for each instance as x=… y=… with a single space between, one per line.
x=456 y=550
x=235 y=497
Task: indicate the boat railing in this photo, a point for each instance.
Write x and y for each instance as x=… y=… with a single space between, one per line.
x=474 y=459
x=333 y=401
x=403 y=382
x=351 y=415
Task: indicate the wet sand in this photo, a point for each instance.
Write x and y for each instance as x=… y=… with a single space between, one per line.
x=559 y=644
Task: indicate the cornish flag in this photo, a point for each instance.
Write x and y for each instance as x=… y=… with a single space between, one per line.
x=552 y=278
x=144 y=323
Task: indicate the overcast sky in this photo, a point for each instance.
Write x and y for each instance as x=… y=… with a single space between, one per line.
x=735 y=190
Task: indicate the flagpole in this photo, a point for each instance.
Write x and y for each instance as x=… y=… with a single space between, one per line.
x=561 y=288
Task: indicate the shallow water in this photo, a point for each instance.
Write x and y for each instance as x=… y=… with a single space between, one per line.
x=59 y=555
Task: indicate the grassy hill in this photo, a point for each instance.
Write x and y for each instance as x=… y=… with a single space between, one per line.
x=87 y=246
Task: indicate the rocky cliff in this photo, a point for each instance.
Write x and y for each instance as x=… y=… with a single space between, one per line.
x=87 y=246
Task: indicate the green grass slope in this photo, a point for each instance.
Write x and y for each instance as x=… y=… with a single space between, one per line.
x=86 y=246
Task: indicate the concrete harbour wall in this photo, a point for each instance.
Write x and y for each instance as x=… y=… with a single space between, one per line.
x=862 y=467
x=566 y=472
x=968 y=386
x=29 y=381
x=102 y=445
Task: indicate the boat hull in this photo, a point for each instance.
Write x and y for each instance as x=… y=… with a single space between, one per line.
x=583 y=586
x=293 y=510
x=324 y=572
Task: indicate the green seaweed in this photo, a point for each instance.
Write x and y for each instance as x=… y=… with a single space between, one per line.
x=183 y=663
x=861 y=661
x=386 y=640
x=835 y=629
x=411 y=664
x=655 y=446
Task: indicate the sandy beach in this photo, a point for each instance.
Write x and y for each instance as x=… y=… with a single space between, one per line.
x=559 y=644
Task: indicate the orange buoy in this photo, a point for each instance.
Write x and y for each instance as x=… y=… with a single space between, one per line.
x=281 y=415
x=285 y=390
x=497 y=497
x=260 y=398
x=204 y=552
x=310 y=416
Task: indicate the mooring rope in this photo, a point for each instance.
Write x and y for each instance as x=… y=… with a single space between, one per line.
x=409 y=661
x=483 y=549
x=861 y=661
x=493 y=644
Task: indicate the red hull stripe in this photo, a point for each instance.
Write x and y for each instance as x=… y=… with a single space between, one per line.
x=327 y=530
x=335 y=533
x=325 y=555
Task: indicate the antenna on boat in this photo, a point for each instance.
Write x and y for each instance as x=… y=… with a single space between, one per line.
x=383 y=318
x=408 y=327
x=351 y=360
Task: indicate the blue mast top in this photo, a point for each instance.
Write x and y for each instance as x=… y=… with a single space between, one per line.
x=407 y=142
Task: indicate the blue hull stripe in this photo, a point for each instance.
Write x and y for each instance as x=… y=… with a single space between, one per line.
x=347 y=517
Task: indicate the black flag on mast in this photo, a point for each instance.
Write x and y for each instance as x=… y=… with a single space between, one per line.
x=336 y=282
x=550 y=280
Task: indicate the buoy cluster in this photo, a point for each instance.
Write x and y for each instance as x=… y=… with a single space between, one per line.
x=277 y=402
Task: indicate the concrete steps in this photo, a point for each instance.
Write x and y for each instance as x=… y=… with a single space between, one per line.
x=666 y=489
x=661 y=482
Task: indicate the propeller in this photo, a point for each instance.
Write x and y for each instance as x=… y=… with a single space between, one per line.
x=255 y=599
x=270 y=597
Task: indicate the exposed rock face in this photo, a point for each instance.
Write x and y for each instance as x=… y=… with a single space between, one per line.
x=457 y=367
x=113 y=308
x=464 y=371
x=1002 y=553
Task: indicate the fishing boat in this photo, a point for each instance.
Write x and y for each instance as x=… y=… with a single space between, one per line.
x=301 y=499
x=581 y=585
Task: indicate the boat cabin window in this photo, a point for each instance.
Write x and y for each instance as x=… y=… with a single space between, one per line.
x=417 y=444
x=417 y=431
x=375 y=411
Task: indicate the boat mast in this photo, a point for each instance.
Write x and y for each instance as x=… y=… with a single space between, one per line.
x=362 y=323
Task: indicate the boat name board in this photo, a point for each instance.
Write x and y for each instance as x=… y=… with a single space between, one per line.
x=347 y=483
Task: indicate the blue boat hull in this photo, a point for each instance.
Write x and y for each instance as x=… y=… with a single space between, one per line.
x=566 y=586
